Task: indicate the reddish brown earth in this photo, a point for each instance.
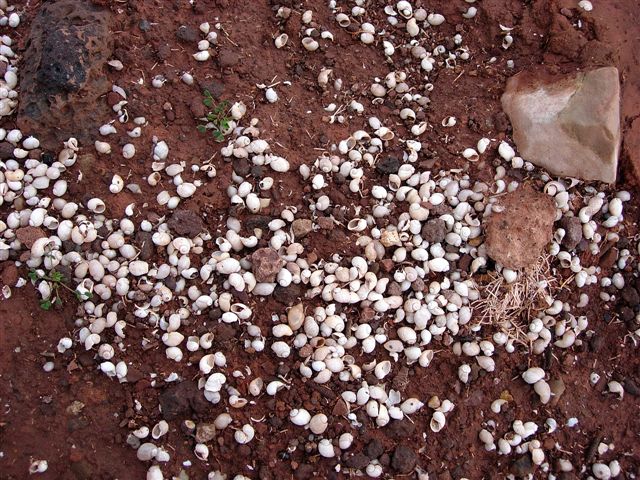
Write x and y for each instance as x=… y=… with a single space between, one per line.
x=35 y=417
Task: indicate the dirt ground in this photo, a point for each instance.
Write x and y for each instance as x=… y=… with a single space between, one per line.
x=40 y=416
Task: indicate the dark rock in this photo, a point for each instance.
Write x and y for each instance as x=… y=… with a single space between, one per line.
x=631 y=387
x=214 y=87
x=288 y=295
x=82 y=470
x=403 y=459
x=374 y=449
x=241 y=166
x=434 y=230
x=186 y=222
x=62 y=79
x=178 y=399
x=388 y=165
x=265 y=264
x=630 y=295
x=257 y=221
x=626 y=314
x=399 y=429
x=303 y=472
x=144 y=25
x=6 y=151
x=358 y=461
x=145 y=243
x=573 y=232
x=224 y=332
x=523 y=466
x=187 y=34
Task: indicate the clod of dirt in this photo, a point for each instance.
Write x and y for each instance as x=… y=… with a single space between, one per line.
x=62 y=77
x=28 y=235
x=573 y=231
x=374 y=449
x=9 y=274
x=403 y=459
x=434 y=231
x=303 y=472
x=358 y=461
x=523 y=466
x=569 y=125
x=266 y=263
x=517 y=235
x=180 y=399
x=187 y=34
x=186 y=223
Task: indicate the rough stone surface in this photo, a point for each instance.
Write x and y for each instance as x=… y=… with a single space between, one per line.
x=404 y=459
x=266 y=264
x=517 y=235
x=573 y=232
x=301 y=227
x=434 y=231
x=186 y=222
x=569 y=125
x=62 y=77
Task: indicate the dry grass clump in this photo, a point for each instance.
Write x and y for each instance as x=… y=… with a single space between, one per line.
x=510 y=306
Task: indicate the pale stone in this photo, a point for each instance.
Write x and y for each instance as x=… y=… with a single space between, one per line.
x=569 y=125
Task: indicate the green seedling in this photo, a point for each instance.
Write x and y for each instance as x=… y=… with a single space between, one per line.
x=57 y=282
x=217 y=118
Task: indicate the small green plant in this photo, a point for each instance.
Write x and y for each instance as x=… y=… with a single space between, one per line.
x=56 y=281
x=217 y=118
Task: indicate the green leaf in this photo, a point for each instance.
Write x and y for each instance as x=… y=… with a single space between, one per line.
x=218 y=135
x=58 y=301
x=33 y=275
x=45 y=304
x=57 y=277
x=201 y=128
x=208 y=102
x=224 y=125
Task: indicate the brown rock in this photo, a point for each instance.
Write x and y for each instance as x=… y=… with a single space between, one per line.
x=198 y=109
x=186 y=222
x=266 y=263
x=28 y=235
x=62 y=77
x=569 y=125
x=517 y=235
x=301 y=227
x=9 y=275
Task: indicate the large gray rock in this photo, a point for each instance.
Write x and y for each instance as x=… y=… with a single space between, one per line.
x=569 y=125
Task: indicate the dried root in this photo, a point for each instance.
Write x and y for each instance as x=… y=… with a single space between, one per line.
x=510 y=306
